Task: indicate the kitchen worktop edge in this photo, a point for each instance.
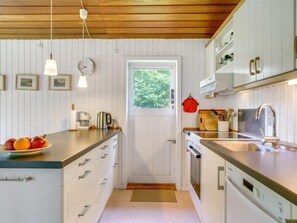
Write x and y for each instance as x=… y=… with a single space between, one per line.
x=67 y=146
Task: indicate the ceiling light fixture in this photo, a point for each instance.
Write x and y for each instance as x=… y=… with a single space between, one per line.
x=82 y=81
x=292 y=82
x=51 y=64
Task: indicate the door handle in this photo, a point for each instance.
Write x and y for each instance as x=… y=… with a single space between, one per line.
x=172 y=141
x=257 y=62
x=220 y=187
x=250 y=67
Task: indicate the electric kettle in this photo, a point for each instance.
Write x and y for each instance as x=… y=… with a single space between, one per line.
x=103 y=120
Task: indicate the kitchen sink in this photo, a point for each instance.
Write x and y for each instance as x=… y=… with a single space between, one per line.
x=252 y=146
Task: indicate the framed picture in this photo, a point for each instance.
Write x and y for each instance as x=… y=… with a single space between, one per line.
x=2 y=82
x=27 y=82
x=60 y=83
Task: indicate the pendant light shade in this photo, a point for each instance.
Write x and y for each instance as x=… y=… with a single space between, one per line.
x=82 y=82
x=50 y=67
x=51 y=64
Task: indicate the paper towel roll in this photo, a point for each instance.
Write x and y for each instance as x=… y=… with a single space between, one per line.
x=72 y=124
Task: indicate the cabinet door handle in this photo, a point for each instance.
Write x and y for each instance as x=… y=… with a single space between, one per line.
x=115 y=164
x=26 y=179
x=86 y=173
x=104 y=181
x=84 y=211
x=250 y=67
x=84 y=162
x=257 y=62
x=220 y=168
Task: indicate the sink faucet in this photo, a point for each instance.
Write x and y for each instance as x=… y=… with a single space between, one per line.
x=274 y=140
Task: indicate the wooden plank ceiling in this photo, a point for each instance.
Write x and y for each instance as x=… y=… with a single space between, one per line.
x=30 y=19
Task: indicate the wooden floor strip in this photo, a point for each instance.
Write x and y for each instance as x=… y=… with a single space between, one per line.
x=133 y=186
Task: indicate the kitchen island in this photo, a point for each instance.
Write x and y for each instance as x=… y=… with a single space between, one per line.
x=69 y=182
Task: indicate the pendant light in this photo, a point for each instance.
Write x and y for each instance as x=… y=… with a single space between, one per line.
x=82 y=81
x=50 y=64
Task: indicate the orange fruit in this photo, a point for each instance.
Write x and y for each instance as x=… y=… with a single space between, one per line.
x=21 y=144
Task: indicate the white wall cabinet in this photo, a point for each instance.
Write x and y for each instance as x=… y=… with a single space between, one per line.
x=212 y=186
x=76 y=193
x=224 y=50
x=264 y=40
x=210 y=59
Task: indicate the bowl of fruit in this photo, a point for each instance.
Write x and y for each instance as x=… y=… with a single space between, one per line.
x=25 y=145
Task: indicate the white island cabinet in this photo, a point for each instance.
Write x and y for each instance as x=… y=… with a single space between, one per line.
x=212 y=186
x=76 y=193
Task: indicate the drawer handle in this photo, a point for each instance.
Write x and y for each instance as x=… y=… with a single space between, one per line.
x=84 y=211
x=84 y=162
x=104 y=181
x=104 y=147
x=26 y=179
x=86 y=173
x=104 y=156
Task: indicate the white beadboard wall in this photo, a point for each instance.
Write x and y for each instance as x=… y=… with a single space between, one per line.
x=281 y=96
x=29 y=113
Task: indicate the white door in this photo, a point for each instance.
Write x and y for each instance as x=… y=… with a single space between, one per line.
x=152 y=122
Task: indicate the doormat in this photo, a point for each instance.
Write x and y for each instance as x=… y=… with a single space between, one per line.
x=153 y=195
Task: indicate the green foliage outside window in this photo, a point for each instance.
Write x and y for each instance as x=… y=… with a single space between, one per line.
x=151 y=88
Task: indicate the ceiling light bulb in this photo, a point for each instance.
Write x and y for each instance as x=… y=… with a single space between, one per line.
x=82 y=82
x=292 y=82
x=50 y=67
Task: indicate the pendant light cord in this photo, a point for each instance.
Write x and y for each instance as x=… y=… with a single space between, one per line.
x=51 y=29
x=84 y=21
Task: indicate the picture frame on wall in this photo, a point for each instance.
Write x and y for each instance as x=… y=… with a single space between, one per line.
x=2 y=82
x=60 y=83
x=28 y=82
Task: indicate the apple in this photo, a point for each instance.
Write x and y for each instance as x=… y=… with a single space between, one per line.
x=8 y=145
x=38 y=142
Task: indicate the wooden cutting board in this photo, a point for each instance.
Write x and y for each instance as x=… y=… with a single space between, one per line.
x=207 y=119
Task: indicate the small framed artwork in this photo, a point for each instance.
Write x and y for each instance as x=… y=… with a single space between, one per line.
x=2 y=82
x=60 y=83
x=27 y=82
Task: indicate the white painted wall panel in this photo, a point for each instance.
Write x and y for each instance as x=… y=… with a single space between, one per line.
x=29 y=113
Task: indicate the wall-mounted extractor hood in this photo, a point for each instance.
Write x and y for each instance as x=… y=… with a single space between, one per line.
x=221 y=84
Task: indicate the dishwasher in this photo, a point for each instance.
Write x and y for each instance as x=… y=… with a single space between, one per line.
x=248 y=200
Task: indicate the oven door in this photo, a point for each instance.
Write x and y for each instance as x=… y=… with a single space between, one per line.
x=196 y=170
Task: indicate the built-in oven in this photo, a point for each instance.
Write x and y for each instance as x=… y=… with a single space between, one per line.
x=195 y=165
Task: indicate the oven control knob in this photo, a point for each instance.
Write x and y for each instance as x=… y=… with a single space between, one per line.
x=257 y=193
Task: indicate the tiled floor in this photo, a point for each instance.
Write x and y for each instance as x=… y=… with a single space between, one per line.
x=120 y=210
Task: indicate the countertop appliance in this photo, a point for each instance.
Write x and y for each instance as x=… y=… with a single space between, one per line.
x=247 y=200
x=217 y=83
x=103 y=120
x=83 y=120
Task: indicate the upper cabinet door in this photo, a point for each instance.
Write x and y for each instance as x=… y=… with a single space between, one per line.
x=209 y=59
x=264 y=40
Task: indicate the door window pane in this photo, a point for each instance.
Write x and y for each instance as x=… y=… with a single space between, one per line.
x=151 y=88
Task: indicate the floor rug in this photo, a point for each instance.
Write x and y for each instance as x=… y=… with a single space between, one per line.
x=153 y=195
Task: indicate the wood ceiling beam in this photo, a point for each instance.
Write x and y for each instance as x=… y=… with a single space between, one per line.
x=116 y=2
x=165 y=24
x=99 y=18
x=119 y=10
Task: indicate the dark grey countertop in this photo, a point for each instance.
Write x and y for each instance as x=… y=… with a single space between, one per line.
x=276 y=170
x=67 y=146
